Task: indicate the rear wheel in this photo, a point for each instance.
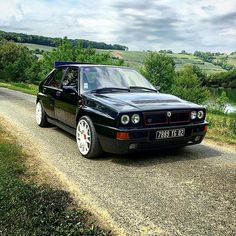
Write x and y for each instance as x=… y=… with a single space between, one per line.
x=41 y=116
x=87 y=139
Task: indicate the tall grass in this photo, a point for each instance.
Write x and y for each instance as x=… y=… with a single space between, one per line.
x=222 y=126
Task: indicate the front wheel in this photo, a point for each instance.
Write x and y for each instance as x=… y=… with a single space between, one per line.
x=41 y=116
x=87 y=139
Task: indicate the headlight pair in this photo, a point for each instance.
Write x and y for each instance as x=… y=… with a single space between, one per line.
x=195 y=114
x=125 y=119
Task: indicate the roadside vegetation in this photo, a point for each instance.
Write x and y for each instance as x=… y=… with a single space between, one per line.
x=22 y=87
x=27 y=208
x=189 y=81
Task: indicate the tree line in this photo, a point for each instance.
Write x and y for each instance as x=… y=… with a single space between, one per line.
x=54 y=42
x=19 y=64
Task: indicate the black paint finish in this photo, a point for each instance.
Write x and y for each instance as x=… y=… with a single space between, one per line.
x=65 y=104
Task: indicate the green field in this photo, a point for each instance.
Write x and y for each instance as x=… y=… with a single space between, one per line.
x=135 y=59
x=37 y=46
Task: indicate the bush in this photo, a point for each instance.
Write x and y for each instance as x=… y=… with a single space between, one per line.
x=66 y=51
x=159 y=69
x=188 y=86
x=17 y=63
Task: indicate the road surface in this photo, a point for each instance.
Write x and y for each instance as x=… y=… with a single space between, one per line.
x=189 y=192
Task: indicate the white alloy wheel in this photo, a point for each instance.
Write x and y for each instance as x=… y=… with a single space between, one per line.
x=39 y=113
x=83 y=137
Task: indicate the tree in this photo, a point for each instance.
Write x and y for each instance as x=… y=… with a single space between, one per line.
x=159 y=69
x=16 y=62
x=66 y=51
x=188 y=86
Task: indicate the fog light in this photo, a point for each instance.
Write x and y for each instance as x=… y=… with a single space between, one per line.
x=122 y=135
x=133 y=146
x=197 y=138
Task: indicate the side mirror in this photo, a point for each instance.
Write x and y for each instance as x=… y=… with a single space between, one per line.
x=69 y=89
x=158 y=88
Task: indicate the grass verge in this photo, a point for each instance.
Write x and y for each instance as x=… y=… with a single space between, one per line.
x=222 y=127
x=27 y=208
x=22 y=87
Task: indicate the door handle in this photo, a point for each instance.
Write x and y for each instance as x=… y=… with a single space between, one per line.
x=58 y=93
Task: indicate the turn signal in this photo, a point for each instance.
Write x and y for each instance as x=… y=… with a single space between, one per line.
x=205 y=128
x=122 y=135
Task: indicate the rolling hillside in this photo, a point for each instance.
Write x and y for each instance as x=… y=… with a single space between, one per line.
x=135 y=58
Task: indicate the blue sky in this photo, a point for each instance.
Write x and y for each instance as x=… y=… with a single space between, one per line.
x=140 y=25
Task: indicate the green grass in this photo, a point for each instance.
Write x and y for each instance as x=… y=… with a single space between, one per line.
x=22 y=87
x=222 y=127
x=32 y=46
x=30 y=209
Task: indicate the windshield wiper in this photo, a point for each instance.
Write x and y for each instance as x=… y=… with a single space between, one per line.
x=140 y=87
x=107 y=89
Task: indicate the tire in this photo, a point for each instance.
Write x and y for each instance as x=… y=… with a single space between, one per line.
x=41 y=116
x=87 y=139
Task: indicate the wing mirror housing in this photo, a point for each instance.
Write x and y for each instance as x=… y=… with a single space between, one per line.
x=69 y=89
x=157 y=88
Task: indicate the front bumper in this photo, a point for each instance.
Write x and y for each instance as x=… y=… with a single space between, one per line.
x=144 y=139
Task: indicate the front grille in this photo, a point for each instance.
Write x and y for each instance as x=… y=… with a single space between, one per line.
x=179 y=117
x=155 y=118
x=161 y=118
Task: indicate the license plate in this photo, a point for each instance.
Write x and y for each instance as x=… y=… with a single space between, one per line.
x=170 y=133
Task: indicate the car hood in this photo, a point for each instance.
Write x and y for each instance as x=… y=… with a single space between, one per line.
x=142 y=101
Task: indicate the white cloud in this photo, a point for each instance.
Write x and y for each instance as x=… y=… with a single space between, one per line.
x=187 y=24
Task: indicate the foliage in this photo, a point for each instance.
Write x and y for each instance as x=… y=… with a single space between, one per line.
x=219 y=104
x=29 y=209
x=17 y=63
x=159 y=69
x=66 y=51
x=22 y=87
x=212 y=58
x=188 y=86
x=53 y=42
x=222 y=127
x=223 y=79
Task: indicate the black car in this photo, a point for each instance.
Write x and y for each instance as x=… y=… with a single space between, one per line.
x=116 y=110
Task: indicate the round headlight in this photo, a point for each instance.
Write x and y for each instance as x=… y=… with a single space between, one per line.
x=200 y=114
x=193 y=115
x=135 y=118
x=125 y=119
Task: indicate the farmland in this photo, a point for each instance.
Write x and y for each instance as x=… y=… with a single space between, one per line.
x=135 y=59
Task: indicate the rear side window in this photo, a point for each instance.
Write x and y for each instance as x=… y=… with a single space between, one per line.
x=55 y=78
x=71 y=77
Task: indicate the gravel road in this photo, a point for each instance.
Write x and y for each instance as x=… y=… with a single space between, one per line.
x=189 y=192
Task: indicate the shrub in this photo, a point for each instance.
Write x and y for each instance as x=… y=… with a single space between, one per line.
x=159 y=69
x=188 y=86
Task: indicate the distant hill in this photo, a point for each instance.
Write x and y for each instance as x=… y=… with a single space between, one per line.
x=135 y=60
x=53 y=42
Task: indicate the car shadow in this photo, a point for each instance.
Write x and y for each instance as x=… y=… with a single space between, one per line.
x=163 y=156
x=153 y=157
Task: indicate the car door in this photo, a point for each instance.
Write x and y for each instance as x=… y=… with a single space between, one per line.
x=66 y=103
x=51 y=89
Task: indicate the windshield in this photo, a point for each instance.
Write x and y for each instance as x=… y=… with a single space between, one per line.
x=98 y=77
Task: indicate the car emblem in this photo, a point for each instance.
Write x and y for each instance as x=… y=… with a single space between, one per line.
x=168 y=114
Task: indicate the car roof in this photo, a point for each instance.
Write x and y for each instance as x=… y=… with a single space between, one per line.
x=79 y=64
